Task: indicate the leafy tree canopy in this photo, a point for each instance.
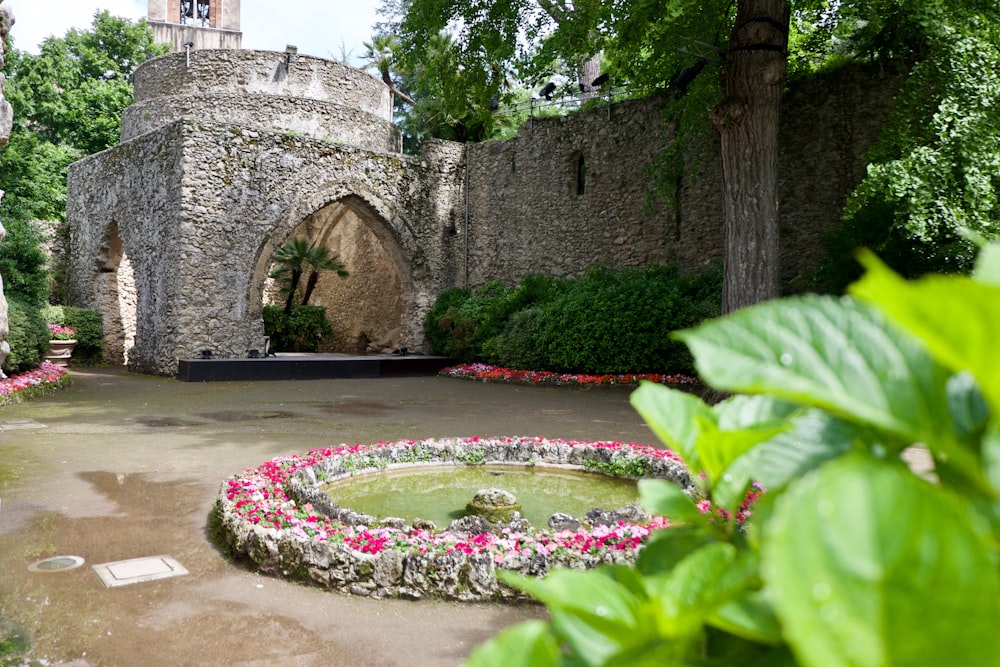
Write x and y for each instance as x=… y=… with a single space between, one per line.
x=934 y=174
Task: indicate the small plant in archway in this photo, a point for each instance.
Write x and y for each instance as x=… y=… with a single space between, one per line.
x=294 y=259
x=300 y=327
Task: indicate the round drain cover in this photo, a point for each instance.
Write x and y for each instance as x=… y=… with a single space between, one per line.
x=56 y=564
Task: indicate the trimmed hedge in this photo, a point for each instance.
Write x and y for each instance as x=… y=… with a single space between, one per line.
x=607 y=321
x=28 y=337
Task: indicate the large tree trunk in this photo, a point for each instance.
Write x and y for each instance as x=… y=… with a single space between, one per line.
x=752 y=81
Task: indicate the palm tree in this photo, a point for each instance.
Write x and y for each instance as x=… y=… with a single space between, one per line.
x=381 y=55
x=297 y=256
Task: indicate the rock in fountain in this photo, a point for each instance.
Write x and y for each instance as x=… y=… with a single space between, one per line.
x=494 y=504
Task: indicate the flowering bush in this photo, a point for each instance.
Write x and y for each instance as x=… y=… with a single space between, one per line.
x=43 y=380
x=486 y=372
x=59 y=332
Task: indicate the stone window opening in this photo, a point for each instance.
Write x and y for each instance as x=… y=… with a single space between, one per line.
x=195 y=12
x=581 y=176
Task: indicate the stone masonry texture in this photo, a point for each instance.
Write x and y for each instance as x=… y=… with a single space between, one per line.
x=223 y=161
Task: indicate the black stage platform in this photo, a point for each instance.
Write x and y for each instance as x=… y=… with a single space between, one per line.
x=303 y=366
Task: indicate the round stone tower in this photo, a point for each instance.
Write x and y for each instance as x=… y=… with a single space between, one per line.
x=300 y=95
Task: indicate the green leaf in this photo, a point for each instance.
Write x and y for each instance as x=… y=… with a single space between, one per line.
x=592 y=612
x=673 y=417
x=853 y=546
x=814 y=438
x=664 y=498
x=991 y=454
x=957 y=318
x=750 y=617
x=839 y=355
x=698 y=585
x=529 y=644
x=665 y=548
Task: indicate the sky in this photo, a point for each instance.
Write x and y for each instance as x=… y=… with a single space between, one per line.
x=317 y=27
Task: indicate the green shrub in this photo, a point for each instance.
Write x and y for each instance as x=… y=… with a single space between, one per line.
x=438 y=332
x=619 y=321
x=22 y=264
x=460 y=324
x=28 y=337
x=304 y=330
x=89 y=330
x=608 y=321
x=520 y=344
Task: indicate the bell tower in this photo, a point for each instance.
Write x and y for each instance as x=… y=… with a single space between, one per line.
x=207 y=24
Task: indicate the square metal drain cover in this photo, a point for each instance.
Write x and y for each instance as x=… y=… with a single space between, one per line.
x=136 y=570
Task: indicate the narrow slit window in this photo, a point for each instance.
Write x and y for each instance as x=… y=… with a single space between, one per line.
x=581 y=176
x=187 y=11
x=203 y=12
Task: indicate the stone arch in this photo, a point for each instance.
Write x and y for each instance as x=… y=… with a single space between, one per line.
x=368 y=309
x=117 y=298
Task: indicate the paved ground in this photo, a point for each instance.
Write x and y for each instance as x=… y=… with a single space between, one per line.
x=122 y=466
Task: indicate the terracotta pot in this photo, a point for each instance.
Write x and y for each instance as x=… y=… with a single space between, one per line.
x=59 y=352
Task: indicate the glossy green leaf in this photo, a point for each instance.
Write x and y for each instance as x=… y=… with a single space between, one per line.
x=674 y=417
x=750 y=617
x=988 y=265
x=529 y=644
x=699 y=584
x=665 y=548
x=835 y=354
x=592 y=612
x=814 y=438
x=867 y=564
x=991 y=455
x=664 y=498
x=957 y=318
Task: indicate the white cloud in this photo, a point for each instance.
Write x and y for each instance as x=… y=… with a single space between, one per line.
x=316 y=27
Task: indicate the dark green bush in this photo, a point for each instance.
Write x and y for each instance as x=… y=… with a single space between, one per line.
x=608 y=321
x=22 y=264
x=89 y=330
x=304 y=330
x=439 y=333
x=460 y=325
x=520 y=344
x=874 y=228
x=28 y=337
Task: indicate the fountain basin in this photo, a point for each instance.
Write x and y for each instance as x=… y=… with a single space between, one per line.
x=277 y=516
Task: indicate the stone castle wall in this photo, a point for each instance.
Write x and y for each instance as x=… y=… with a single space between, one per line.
x=224 y=161
x=530 y=213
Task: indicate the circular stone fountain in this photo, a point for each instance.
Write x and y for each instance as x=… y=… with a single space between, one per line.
x=279 y=516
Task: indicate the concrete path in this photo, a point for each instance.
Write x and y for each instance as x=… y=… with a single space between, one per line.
x=122 y=466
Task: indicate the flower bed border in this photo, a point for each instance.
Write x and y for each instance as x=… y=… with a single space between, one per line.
x=487 y=373
x=276 y=516
x=44 y=380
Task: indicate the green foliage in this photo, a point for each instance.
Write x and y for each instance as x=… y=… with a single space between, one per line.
x=439 y=334
x=618 y=321
x=302 y=330
x=28 y=336
x=22 y=264
x=294 y=259
x=607 y=321
x=851 y=559
x=89 y=330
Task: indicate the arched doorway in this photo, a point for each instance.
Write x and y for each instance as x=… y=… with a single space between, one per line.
x=366 y=308
x=117 y=298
